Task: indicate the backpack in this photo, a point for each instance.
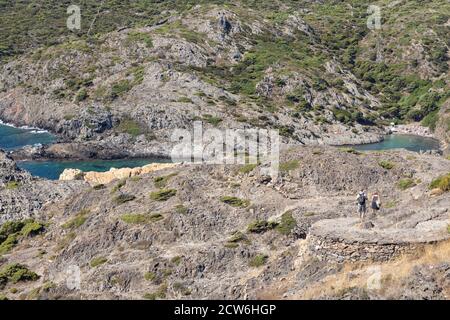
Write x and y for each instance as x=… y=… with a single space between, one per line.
x=361 y=199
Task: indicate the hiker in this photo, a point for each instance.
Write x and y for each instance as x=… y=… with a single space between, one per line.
x=375 y=203
x=362 y=199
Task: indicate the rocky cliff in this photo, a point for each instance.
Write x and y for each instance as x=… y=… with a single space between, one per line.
x=272 y=65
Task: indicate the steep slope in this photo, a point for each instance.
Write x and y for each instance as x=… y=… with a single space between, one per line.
x=311 y=69
x=231 y=232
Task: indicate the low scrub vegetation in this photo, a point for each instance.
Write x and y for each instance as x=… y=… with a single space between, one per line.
x=406 y=183
x=98 y=261
x=385 y=164
x=442 y=183
x=258 y=260
x=261 y=226
x=138 y=218
x=289 y=166
x=287 y=224
x=161 y=182
x=15 y=273
x=163 y=194
x=76 y=221
x=123 y=198
x=235 y=202
x=12 y=231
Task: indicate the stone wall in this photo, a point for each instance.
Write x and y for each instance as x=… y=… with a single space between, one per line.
x=338 y=250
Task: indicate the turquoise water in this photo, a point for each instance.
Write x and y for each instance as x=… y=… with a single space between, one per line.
x=13 y=138
x=396 y=141
x=52 y=169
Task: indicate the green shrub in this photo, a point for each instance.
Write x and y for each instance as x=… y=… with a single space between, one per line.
x=12 y=185
x=245 y=169
x=261 y=226
x=163 y=194
x=258 y=260
x=81 y=95
x=98 y=261
x=119 y=88
x=160 y=293
x=119 y=185
x=235 y=202
x=176 y=260
x=406 y=183
x=32 y=228
x=150 y=276
x=130 y=127
x=442 y=183
x=99 y=187
x=8 y=244
x=181 y=209
x=211 y=119
x=17 y=273
x=350 y=150
x=289 y=166
x=77 y=221
x=161 y=182
x=122 y=198
x=287 y=223
x=134 y=36
x=385 y=164
x=185 y=100
x=141 y=218
x=236 y=237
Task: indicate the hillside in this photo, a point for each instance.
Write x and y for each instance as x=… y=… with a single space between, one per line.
x=311 y=69
x=198 y=231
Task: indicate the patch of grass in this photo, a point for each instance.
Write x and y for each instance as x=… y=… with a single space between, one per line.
x=163 y=194
x=235 y=239
x=179 y=287
x=181 y=209
x=176 y=260
x=141 y=218
x=158 y=294
x=64 y=242
x=442 y=183
x=12 y=185
x=258 y=260
x=119 y=88
x=131 y=127
x=11 y=231
x=235 y=202
x=32 y=228
x=406 y=183
x=391 y=204
x=261 y=226
x=98 y=261
x=123 y=198
x=76 y=221
x=289 y=166
x=134 y=36
x=150 y=276
x=119 y=185
x=185 y=100
x=211 y=119
x=350 y=150
x=161 y=182
x=385 y=164
x=17 y=273
x=245 y=169
x=287 y=224
x=99 y=187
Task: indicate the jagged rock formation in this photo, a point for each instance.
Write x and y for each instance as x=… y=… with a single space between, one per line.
x=98 y=178
x=22 y=196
